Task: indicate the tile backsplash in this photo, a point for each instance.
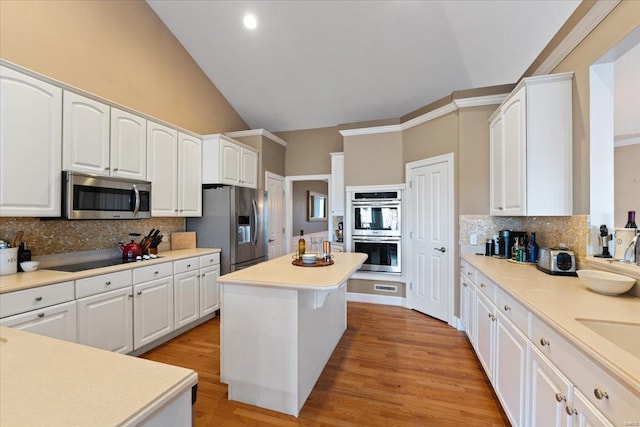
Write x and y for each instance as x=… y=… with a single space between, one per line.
x=551 y=231
x=55 y=236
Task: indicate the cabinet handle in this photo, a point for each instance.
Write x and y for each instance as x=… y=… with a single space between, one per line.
x=107 y=282
x=560 y=397
x=482 y=285
x=107 y=168
x=492 y=317
x=41 y=315
x=544 y=341
x=115 y=169
x=38 y=298
x=175 y=210
x=507 y=308
x=130 y=295
x=599 y=394
x=570 y=410
x=464 y=284
x=468 y=273
x=139 y=293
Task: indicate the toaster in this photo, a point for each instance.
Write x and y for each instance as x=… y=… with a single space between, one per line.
x=560 y=262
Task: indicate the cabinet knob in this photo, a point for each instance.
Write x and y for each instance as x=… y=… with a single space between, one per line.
x=156 y=272
x=570 y=410
x=544 y=342
x=507 y=308
x=107 y=168
x=560 y=397
x=468 y=273
x=107 y=282
x=482 y=285
x=38 y=298
x=188 y=265
x=115 y=169
x=41 y=315
x=464 y=284
x=599 y=394
x=500 y=208
x=130 y=295
x=139 y=293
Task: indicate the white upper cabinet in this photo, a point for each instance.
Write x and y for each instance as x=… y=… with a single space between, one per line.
x=128 y=145
x=531 y=149
x=162 y=159
x=189 y=175
x=175 y=171
x=85 y=135
x=227 y=161
x=31 y=146
x=336 y=192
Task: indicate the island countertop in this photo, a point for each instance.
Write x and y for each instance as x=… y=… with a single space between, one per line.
x=51 y=382
x=281 y=273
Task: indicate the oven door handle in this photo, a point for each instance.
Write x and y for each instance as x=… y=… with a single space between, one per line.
x=375 y=239
x=360 y=203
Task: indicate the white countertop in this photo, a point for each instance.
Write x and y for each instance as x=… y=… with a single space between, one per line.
x=51 y=382
x=281 y=273
x=18 y=281
x=559 y=301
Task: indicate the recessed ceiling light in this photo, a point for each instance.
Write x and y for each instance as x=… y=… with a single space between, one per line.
x=250 y=21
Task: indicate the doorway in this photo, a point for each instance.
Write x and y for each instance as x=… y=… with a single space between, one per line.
x=430 y=228
x=274 y=184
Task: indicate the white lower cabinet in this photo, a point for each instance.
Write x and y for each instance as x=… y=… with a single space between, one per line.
x=152 y=310
x=186 y=298
x=485 y=333
x=209 y=292
x=56 y=321
x=548 y=393
x=106 y=320
x=584 y=414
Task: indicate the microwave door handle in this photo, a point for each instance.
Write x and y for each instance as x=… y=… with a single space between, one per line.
x=137 y=205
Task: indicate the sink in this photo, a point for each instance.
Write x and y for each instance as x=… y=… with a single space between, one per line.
x=621 y=334
x=604 y=282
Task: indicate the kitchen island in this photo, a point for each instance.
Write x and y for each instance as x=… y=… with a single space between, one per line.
x=50 y=382
x=279 y=325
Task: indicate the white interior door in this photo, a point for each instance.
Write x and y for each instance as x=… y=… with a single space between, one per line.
x=429 y=255
x=275 y=188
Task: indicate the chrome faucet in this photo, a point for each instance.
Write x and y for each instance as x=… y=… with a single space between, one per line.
x=631 y=253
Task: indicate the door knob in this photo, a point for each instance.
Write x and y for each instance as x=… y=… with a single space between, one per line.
x=442 y=249
x=272 y=240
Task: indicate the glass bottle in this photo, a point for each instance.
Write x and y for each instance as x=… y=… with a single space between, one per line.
x=631 y=220
x=532 y=249
x=301 y=244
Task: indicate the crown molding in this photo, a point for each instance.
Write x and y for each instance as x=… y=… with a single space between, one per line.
x=258 y=132
x=623 y=140
x=591 y=20
x=455 y=105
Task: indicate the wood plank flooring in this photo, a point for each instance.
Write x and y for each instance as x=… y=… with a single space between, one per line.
x=392 y=367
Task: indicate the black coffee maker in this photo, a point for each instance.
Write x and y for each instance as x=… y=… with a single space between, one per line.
x=506 y=240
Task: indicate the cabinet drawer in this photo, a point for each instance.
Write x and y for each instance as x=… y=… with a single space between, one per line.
x=469 y=271
x=185 y=265
x=619 y=406
x=32 y=299
x=486 y=286
x=102 y=283
x=152 y=272
x=514 y=311
x=209 y=260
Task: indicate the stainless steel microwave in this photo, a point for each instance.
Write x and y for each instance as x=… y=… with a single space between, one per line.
x=98 y=197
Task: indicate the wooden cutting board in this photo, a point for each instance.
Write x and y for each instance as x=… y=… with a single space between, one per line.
x=183 y=240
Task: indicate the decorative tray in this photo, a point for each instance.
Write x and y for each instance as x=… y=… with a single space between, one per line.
x=318 y=263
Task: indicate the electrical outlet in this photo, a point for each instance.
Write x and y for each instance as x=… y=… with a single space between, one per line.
x=473 y=239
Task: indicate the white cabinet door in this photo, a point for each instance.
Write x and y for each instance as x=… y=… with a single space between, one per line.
x=514 y=163
x=249 y=168
x=186 y=298
x=485 y=331
x=85 y=135
x=189 y=175
x=106 y=320
x=496 y=171
x=230 y=163
x=337 y=193
x=31 y=146
x=162 y=171
x=209 y=294
x=510 y=372
x=152 y=310
x=548 y=392
x=464 y=304
x=128 y=145
x=57 y=321
x=584 y=414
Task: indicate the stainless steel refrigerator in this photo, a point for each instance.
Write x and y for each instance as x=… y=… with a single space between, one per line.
x=234 y=219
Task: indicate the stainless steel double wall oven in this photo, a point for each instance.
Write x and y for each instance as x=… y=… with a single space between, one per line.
x=377 y=230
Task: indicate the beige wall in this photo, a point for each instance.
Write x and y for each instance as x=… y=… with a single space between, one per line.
x=308 y=150
x=118 y=50
x=627 y=183
x=473 y=159
x=373 y=159
x=619 y=23
x=433 y=138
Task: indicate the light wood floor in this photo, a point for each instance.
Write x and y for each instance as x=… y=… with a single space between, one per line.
x=392 y=367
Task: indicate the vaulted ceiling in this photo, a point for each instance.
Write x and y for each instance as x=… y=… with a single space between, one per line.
x=311 y=64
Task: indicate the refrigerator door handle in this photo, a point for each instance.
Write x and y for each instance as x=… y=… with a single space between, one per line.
x=254 y=226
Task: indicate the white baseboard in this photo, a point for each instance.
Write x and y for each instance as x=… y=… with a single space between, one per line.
x=376 y=299
x=459 y=325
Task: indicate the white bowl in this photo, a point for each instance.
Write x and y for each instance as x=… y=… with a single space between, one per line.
x=604 y=282
x=29 y=265
x=309 y=258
